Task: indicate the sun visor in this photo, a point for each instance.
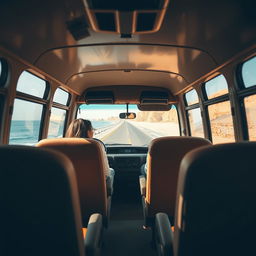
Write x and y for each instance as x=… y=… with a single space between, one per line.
x=154 y=98
x=99 y=97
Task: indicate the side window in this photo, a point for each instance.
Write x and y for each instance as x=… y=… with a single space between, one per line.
x=28 y=109
x=194 y=114
x=3 y=72
x=31 y=84
x=57 y=123
x=61 y=97
x=248 y=96
x=58 y=114
x=248 y=72
x=250 y=110
x=216 y=87
x=2 y=99
x=219 y=110
x=26 y=121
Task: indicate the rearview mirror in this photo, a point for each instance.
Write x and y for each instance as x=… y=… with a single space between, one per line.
x=127 y=115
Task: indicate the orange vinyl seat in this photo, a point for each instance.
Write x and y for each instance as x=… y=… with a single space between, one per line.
x=216 y=205
x=89 y=161
x=40 y=210
x=163 y=163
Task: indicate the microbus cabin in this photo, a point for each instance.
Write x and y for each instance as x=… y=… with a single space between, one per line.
x=167 y=92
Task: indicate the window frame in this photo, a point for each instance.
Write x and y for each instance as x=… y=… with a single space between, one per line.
x=46 y=91
x=4 y=73
x=42 y=116
x=239 y=76
x=63 y=107
x=219 y=99
x=34 y=99
x=242 y=93
x=65 y=120
x=68 y=100
x=185 y=100
x=203 y=89
x=191 y=107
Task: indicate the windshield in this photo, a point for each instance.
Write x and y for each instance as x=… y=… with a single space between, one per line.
x=137 y=132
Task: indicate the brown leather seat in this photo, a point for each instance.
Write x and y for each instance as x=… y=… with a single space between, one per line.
x=163 y=163
x=87 y=156
x=40 y=211
x=216 y=203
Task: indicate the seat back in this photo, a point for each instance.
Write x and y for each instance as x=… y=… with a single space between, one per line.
x=163 y=163
x=216 y=201
x=40 y=212
x=88 y=161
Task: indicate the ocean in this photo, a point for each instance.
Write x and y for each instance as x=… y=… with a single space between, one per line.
x=27 y=132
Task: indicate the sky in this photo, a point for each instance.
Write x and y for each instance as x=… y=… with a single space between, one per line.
x=94 y=112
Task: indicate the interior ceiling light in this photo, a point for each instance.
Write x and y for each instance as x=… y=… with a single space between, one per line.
x=126 y=17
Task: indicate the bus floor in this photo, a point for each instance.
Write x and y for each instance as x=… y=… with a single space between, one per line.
x=125 y=234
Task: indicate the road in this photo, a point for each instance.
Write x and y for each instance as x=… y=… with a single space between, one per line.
x=127 y=133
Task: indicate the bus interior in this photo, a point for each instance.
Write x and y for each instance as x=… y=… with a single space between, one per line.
x=140 y=71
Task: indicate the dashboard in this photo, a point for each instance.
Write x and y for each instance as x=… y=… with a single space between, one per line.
x=126 y=157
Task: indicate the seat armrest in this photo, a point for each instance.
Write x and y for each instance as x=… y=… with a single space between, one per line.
x=142 y=180
x=163 y=235
x=93 y=237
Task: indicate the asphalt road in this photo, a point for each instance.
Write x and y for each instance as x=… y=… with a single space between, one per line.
x=127 y=133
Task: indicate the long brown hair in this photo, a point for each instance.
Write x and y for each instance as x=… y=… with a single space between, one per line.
x=79 y=128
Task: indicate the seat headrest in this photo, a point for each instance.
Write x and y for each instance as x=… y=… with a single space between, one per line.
x=40 y=212
x=216 y=203
x=177 y=142
x=88 y=158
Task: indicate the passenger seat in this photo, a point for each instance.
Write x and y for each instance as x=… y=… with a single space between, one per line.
x=87 y=156
x=40 y=211
x=163 y=163
x=216 y=204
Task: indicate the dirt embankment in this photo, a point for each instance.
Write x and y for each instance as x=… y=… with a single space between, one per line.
x=157 y=116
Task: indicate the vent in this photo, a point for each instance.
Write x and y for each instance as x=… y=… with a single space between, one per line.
x=145 y=21
x=124 y=5
x=106 y=21
x=126 y=17
x=99 y=97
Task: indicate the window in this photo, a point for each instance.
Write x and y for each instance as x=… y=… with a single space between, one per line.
x=58 y=114
x=26 y=121
x=221 y=122
x=216 y=87
x=31 y=84
x=219 y=110
x=28 y=109
x=1 y=108
x=248 y=72
x=3 y=72
x=247 y=96
x=191 y=97
x=57 y=123
x=250 y=110
x=195 y=122
x=61 y=97
x=194 y=114
x=137 y=132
